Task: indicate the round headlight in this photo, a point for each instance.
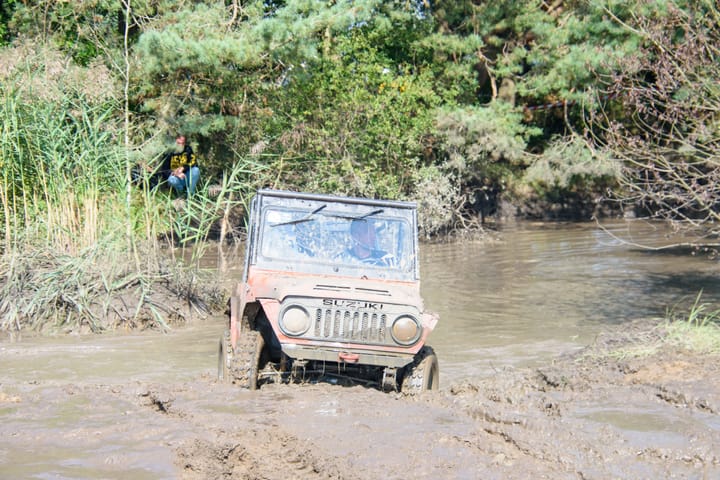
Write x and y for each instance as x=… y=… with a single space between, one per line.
x=406 y=330
x=295 y=321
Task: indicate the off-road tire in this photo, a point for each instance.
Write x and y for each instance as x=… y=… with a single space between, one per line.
x=225 y=357
x=423 y=373
x=245 y=363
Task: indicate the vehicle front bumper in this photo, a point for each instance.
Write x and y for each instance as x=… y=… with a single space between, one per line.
x=351 y=356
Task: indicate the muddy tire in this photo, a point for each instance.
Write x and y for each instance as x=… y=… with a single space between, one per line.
x=245 y=362
x=423 y=373
x=224 y=357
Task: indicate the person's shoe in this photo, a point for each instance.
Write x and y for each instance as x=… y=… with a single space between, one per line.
x=179 y=204
x=214 y=191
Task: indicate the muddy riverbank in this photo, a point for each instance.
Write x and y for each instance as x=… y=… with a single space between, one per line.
x=581 y=415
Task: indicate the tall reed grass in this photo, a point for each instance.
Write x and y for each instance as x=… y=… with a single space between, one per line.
x=67 y=262
x=61 y=171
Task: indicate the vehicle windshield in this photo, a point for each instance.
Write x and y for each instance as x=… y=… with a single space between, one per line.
x=331 y=237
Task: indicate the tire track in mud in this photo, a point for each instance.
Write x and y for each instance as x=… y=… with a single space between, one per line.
x=515 y=411
x=516 y=424
x=246 y=438
x=587 y=417
x=576 y=418
x=257 y=454
x=235 y=447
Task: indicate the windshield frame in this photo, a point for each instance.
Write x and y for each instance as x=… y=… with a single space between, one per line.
x=278 y=218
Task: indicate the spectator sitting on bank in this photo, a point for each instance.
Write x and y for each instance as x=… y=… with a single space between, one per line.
x=180 y=167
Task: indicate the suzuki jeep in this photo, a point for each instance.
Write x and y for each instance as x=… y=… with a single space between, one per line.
x=330 y=290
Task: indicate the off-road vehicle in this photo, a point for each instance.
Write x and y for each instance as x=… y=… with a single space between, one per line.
x=330 y=289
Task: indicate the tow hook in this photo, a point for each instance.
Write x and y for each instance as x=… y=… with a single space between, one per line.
x=348 y=357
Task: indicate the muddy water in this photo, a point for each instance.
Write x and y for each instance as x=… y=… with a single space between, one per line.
x=84 y=407
x=546 y=289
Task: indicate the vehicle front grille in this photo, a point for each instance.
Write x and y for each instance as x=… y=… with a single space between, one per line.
x=350 y=325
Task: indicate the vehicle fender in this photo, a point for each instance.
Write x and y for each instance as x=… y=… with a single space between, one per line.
x=242 y=304
x=271 y=307
x=430 y=320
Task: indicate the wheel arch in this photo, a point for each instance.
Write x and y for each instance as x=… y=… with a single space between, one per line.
x=422 y=374
x=252 y=317
x=241 y=317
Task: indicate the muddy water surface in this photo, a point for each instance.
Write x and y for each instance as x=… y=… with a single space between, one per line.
x=546 y=288
x=147 y=405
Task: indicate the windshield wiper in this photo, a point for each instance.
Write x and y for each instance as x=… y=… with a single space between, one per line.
x=304 y=219
x=359 y=217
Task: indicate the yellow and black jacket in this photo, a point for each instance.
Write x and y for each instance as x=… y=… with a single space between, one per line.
x=173 y=160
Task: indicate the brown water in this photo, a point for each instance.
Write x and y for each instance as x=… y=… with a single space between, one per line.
x=540 y=291
x=545 y=289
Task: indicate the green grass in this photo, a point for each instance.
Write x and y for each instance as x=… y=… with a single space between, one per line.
x=693 y=329
x=696 y=330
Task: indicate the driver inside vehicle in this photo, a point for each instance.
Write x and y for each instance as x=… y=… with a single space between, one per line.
x=364 y=245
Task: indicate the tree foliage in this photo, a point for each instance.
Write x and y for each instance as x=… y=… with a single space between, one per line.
x=6 y=9
x=440 y=101
x=668 y=129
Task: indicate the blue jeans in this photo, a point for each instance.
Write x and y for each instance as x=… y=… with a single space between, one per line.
x=191 y=179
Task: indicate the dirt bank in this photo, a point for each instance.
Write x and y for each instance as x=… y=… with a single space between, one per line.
x=579 y=417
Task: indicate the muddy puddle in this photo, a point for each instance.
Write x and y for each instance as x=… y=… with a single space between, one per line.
x=514 y=401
